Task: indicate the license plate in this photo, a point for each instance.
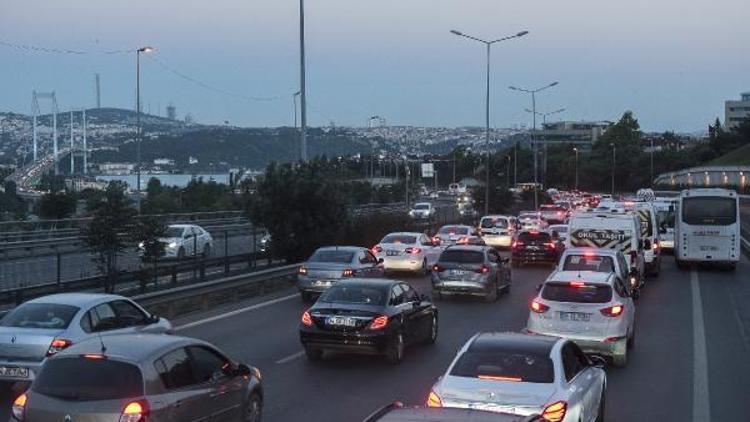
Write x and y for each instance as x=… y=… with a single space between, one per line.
x=457 y=272
x=341 y=321
x=533 y=248
x=575 y=316
x=14 y=372
x=392 y=253
x=322 y=283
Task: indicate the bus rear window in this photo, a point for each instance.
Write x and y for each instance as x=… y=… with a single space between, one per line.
x=709 y=211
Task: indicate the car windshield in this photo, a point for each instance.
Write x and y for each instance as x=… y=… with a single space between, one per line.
x=454 y=230
x=601 y=264
x=488 y=223
x=399 y=238
x=500 y=365
x=174 y=231
x=40 y=315
x=422 y=207
x=363 y=295
x=332 y=256
x=568 y=292
x=551 y=208
x=709 y=211
x=93 y=379
x=462 y=256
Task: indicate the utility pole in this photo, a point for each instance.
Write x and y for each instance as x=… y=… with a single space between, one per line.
x=85 y=150
x=302 y=89
x=614 y=164
x=72 y=160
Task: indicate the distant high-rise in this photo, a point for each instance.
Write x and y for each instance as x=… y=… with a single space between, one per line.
x=171 y=112
x=98 y=92
x=737 y=111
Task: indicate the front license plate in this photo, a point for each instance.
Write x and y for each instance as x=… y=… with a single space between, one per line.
x=392 y=253
x=14 y=372
x=575 y=316
x=341 y=321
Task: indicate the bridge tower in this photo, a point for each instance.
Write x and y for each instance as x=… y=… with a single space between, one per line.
x=35 y=112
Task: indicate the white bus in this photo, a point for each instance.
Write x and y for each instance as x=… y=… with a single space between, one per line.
x=707 y=227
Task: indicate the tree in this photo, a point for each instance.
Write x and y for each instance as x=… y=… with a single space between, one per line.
x=57 y=205
x=107 y=233
x=149 y=232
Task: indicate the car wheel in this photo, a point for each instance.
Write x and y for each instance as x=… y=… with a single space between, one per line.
x=600 y=413
x=395 y=352
x=492 y=295
x=432 y=336
x=206 y=250
x=631 y=339
x=181 y=253
x=313 y=354
x=424 y=270
x=620 y=360
x=254 y=408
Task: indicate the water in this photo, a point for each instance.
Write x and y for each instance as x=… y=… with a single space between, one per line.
x=179 y=180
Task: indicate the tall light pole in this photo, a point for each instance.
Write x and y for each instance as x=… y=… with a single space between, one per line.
x=575 y=149
x=544 y=141
x=533 y=93
x=138 y=121
x=651 y=181
x=507 y=171
x=302 y=89
x=488 y=45
x=614 y=164
x=294 y=100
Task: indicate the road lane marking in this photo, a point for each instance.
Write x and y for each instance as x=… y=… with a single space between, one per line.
x=291 y=357
x=701 y=404
x=235 y=312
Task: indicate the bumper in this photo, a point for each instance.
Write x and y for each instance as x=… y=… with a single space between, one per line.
x=606 y=347
x=525 y=256
x=360 y=342
x=471 y=288
x=314 y=285
x=33 y=368
x=402 y=264
x=498 y=240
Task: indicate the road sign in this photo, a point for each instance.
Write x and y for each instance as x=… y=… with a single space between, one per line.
x=428 y=170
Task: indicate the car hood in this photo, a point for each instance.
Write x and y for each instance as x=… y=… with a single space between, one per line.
x=498 y=395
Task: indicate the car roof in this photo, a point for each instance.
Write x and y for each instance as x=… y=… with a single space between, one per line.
x=404 y=234
x=181 y=226
x=76 y=299
x=587 y=276
x=456 y=225
x=596 y=251
x=497 y=216
x=135 y=348
x=491 y=341
x=340 y=248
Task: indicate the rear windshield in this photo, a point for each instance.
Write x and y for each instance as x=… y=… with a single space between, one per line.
x=601 y=264
x=82 y=379
x=454 y=230
x=551 y=208
x=338 y=257
x=488 y=223
x=709 y=211
x=397 y=238
x=505 y=366
x=363 y=295
x=564 y=292
x=534 y=237
x=666 y=219
x=464 y=257
x=559 y=229
x=40 y=315
x=422 y=207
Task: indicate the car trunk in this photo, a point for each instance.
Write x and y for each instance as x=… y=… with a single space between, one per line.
x=507 y=396
x=326 y=270
x=26 y=344
x=396 y=249
x=42 y=408
x=582 y=317
x=460 y=271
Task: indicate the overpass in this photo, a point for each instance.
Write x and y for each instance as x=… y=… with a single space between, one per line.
x=736 y=177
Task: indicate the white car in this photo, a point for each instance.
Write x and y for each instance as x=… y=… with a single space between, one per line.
x=531 y=220
x=422 y=210
x=498 y=230
x=407 y=252
x=183 y=240
x=454 y=234
x=602 y=261
x=524 y=375
x=593 y=309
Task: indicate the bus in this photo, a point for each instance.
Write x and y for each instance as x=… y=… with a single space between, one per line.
x=707 y=227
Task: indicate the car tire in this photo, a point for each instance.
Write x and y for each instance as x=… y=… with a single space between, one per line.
x=253 y=409
x=600 y=413
x=492 y=295
x=432 y=335
x=313 y=354
x=394 y=354
x=181 y=253
x=620 y=360
x=631 y=339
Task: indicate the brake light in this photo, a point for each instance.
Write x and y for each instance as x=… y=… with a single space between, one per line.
x=613 y=311
x=550 y=245
x=538 y=307
x=535 y=232
x=302 y=271
x=377 y=249
x=94 y=357
x=433 y=400
x=19 y=407
x=555 y=412
x=348 y=273
x=438 y=268
x=589 y=254
x=463 y=240
x=379 y=323
x=656 y=245
x=58 y=345
x=482 y=270
x=413 y=251
x=307 y=319
x=498 y=378
x=134 y=412
x=577 y=284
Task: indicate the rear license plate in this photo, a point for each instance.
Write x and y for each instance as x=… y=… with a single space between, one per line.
x=533 y=248
x=14 y=372
x=392 y=253
x=322 y=283
x=575 y=316
x=341 y=321
x=457 y=272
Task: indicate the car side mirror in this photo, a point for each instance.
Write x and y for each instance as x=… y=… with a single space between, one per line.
x=242 y=370
x=597 y=361
x=153 y=319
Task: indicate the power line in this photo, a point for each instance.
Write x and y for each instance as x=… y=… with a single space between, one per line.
x=36 y=49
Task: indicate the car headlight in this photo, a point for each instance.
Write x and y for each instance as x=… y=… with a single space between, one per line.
x=172 y=245
x=140 y=245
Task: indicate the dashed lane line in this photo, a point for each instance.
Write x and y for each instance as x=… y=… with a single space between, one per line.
x=701 y=399
x=235 y=312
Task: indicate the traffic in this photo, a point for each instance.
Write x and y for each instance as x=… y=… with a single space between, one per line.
x=95 y=357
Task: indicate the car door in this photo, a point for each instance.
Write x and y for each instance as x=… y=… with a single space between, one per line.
x=500 y=268
x=431 y=252
x=589 y=381
x=421 y=316
x=213 y=369
x=187 y=400
x=576 y=383
x=405 y=311
x=623 y=295
x=101 y=318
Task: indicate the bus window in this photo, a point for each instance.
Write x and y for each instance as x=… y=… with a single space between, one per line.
x=709 y=211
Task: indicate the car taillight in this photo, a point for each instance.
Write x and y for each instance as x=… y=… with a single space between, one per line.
x=348 y=273
x=379 y=323
x=19 y=407
x=302 y=271
x=538 y=307
x=134 y=412
x=555 y=412
x=437 y=268
x=307 y=319
x=463 y=241
x=613 y=311
x=656 y=245
x=482 y=270
x=377 y=249
x=433 y=400
x=58 y=345
x=413 y=251
x=550 y=245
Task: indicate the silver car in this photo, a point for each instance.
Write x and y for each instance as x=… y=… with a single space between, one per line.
x=470 y=270
x=183 y=240
x=40 y=328
x=525 y=375
x=455 y=234
x=330 y=264
x=138 y=378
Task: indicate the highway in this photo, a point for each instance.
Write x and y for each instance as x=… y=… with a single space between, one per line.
x=689 y=361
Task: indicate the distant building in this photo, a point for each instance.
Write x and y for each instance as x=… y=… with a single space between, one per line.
x=737 y=111
x=164 y=162
x=580 y=134
x=192 y=160
x=116 y=168
x=171 y=112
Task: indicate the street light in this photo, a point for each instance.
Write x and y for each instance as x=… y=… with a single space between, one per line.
x=488 y=44
x=507 y=171
x=533 y=93
x=576 y=151
x=302 y=89
x=544 y=141
x=294 y=99
x=614 y=164
x=146 y=49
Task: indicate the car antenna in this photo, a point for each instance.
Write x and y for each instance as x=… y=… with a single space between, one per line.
x=101 y=341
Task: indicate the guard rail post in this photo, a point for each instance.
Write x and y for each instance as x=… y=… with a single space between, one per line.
x=255 y=248
x=174 y=274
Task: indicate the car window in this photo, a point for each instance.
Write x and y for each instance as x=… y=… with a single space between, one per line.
x=128 y=314
x=103 y=318
x=410 y=295
x=462 y=256
x=40 y=315
x=493 y=256
x=397 y=295
x=571 y=365
x=534 y=237
x=369 y=258
x=623 y=264
x=175 y=370
x=425 y=240
x=583 y=361
x=333 y=256
x=596 y=263
x=575 y=293
x=86 y=379
x=348 y=293
x=399 y=238
x=620 y=288
x=207 y=364
x=174 y=231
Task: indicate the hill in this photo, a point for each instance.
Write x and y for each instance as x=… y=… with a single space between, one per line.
x=737 y=157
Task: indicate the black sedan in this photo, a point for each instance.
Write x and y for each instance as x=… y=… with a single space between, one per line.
x=533 y=246
x=368 y=316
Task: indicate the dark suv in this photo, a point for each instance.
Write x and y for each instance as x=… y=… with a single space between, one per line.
x=470 y=270
x=536 y=246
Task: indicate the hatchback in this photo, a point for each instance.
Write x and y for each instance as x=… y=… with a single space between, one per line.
x=470 y=270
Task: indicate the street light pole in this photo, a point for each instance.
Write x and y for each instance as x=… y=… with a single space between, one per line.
x=138 y=121
x=507 y=171
x=294 y=99
x=576 y=151
x=488 y=45
x=302 y=89
x=614 y=164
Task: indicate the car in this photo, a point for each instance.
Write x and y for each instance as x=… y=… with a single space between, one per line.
x=40 y=328
x=406 y=251
x=422 y=211
x=264 y=243
x=183 y=240
x=534 y=246
x=524 y=375
x=470 y=270
x=498 y=230
x=330 y=264
x=397 y=412
x=553 y=214
x=134 y=378
x=600 y=260
x=593 y=309
x=467 y=211
x=561 y=230
x=368 y=316
x=451 y=234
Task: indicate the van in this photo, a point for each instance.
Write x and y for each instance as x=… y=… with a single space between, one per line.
x=650 y=230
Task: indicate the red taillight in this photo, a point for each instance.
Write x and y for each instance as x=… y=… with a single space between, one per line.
x=377 y=249
x=307 y=319
x=302 y=271
x=555 y=412
x=437 y=268
x=19 y=407
x=482 y=270
x=433 y=400
x=577 y=284
x=134 y=412
x=656 y=245
x=613 y=311
x=94 y=357
x=463 y=241
x=550 y=245
x=379 y=323
x=413 y=251
x=58 y=345
x=348 y=273
x=538 y=307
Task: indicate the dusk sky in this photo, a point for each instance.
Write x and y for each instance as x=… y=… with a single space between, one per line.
x=672 y=62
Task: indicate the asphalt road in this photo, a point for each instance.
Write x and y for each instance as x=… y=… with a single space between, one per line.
x=689 y=361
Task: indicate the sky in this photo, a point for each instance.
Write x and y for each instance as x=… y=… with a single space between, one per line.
x=672 y=62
